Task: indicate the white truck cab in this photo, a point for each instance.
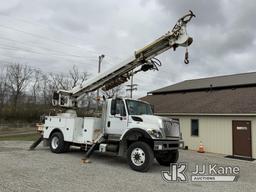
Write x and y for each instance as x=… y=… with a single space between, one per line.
x=126 y=114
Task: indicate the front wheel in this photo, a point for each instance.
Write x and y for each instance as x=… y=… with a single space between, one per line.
x=140 y=156
x=165 y=158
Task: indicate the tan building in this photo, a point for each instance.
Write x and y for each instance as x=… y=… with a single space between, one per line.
x=218 y=111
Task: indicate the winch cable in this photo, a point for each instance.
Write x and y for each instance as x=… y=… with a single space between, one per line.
x=186 y=60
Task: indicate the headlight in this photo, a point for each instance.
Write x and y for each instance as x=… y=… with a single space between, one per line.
x=154 y=133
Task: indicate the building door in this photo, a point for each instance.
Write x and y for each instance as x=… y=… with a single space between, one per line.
x=242 y=144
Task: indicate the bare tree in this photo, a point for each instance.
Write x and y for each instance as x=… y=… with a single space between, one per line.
x=55 y=81
x=36 y=85
x=76 y=77
x=60 y=81
x=46 y=94
x=74 y=74
x=3 y=87
x=18 y=77
x=84 y=76
x=48 y=86
x=20 y=82
x=116 y=91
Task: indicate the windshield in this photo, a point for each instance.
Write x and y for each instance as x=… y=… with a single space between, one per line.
x=138 y=108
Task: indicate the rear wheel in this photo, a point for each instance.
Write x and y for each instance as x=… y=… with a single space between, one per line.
x=57 y=143
x=140 y=156
x=165 y=158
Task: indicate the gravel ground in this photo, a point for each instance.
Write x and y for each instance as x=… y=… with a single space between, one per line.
x=41 y=170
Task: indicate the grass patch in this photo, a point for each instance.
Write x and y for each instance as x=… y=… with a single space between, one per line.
x=24 y=137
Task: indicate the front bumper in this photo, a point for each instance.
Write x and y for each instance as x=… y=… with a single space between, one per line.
x=161 y=145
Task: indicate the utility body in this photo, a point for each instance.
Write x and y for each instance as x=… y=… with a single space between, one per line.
x=127 y=127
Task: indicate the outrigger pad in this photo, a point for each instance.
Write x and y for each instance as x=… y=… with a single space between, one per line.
x=85 y=161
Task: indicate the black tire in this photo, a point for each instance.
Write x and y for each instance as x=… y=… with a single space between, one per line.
x=165 y=158
x=57 y=143
x=141 y=153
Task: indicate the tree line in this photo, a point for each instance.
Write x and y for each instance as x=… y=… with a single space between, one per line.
x=26 y=93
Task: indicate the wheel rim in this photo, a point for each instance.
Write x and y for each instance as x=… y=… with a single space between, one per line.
x=138 y=156
x=55 y=142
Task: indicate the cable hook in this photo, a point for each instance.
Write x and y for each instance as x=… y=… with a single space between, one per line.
x=186 y=61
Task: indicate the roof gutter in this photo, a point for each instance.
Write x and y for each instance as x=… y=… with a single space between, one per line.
x=206 y=114
x=208 y=88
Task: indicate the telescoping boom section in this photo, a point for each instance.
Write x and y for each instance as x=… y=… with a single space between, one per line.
x=142 y=60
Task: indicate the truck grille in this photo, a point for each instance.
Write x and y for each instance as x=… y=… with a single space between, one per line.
x=171 y=129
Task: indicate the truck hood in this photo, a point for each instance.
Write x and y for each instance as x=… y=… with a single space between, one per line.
x=151 y=120
x=169 y=126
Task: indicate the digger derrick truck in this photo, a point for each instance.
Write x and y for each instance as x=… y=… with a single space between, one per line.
x=127 y=127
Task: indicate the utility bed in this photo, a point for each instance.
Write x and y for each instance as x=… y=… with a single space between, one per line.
x=75 y=129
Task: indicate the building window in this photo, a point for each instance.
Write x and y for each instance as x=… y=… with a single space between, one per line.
x=194 y=127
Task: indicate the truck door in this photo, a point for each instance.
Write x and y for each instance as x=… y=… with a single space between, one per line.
x=117 y=118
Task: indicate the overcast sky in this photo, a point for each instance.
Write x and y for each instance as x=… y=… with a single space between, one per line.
x=53 y=35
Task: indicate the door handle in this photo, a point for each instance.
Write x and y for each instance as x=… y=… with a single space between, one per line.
x=108 y=124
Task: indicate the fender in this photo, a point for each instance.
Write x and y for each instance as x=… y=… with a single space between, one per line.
x=55 y=130
x=65 y=132
x=134 y=131
x=133 y=135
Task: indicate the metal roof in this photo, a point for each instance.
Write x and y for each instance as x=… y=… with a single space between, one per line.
x=222 y=101
x=235 y=80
